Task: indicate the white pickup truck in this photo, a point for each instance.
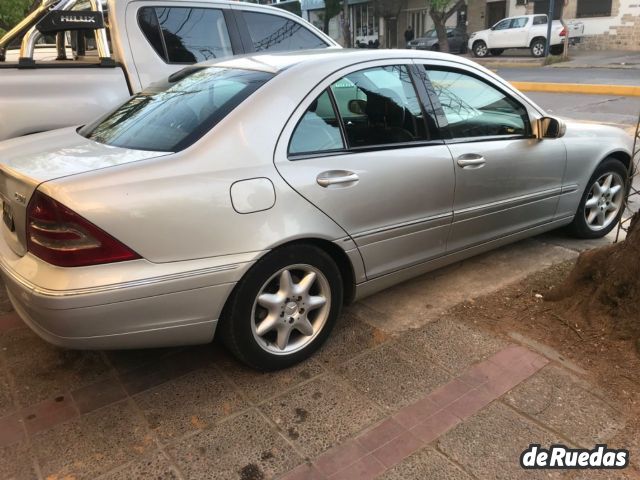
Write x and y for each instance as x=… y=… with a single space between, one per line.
x=106 y=50
x=525 y=31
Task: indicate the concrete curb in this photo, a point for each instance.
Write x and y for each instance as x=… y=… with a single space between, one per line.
x=585 y=89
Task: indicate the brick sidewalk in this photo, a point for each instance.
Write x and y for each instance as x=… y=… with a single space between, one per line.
x=443 y=401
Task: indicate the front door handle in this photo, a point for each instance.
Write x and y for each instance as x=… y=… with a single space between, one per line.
x=337 y=177
x=471 y=160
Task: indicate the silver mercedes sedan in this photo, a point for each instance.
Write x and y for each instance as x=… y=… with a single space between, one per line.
x=257 y=195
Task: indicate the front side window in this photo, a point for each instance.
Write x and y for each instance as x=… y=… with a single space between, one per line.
x=519 y=22
x=503 y=24
x=380 y=106
x=473 y=108
x=275 y=33
x=318 y=129
x=171 y=116
x=186 y=35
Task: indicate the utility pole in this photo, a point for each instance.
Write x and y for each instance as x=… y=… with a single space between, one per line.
x=552 y=11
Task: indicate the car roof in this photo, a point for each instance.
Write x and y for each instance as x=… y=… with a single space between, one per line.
x=331 y=57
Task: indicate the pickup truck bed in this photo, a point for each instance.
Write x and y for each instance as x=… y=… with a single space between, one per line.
x=56 y=96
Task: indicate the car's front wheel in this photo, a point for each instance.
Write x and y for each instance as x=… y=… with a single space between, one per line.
x=480 y=49
x=602 y=202
x=284 y=308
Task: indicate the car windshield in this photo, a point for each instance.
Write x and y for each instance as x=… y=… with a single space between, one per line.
x=430 y=34
x=172 y=115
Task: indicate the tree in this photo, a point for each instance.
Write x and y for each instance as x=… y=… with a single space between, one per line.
x=12 y=11
x=440 y=11
x=331 y=9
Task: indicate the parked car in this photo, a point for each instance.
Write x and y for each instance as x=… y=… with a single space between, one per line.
x=142 y=42
x=429 y=41
x=254 y=196
x=524 y=31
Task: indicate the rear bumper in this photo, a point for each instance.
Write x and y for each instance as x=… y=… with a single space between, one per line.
x=181 y=308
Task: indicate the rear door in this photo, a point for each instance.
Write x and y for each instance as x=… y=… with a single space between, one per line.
x=166 y=36
x=365 y=151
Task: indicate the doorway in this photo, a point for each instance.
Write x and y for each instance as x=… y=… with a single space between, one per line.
x=496 y=11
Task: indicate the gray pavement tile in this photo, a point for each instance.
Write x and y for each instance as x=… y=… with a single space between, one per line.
x=425 y=464
x=558 y=399
x=244 y=447
x=5 y=303
x=322 y=413
x=452 y=344
x=125 y=360
x=40 y=378
x=191 y=402
x=349 y=338
x=154 y=466
x=261 y=386
x=93 y=444
x=6 y=400
x=16 y=462
x=490 y=443
x=393 y=378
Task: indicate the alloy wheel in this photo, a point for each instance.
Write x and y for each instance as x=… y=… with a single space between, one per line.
x=291 y=309
x=605 y=200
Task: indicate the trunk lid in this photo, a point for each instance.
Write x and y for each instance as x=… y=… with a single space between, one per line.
x=26 y=162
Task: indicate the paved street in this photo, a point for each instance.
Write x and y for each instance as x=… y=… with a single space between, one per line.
x=604 y=76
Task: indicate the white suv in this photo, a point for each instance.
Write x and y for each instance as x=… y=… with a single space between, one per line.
x=525 y=31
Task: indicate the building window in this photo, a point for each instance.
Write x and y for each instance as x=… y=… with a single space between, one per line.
x=593 y=8
x=521 y=2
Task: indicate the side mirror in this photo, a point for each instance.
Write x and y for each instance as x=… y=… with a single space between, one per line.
x=550 y=127
x=357 y=107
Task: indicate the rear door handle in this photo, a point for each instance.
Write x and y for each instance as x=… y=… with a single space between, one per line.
x=337 y=177
x=471 y=160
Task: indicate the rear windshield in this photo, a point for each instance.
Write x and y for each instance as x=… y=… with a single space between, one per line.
x=170 y=116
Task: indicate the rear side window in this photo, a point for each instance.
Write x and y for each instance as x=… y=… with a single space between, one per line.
x=540 y=20
x=185 y=35
x=171 y=116
x=380 y=106
x=276 y=33
x=318 y=130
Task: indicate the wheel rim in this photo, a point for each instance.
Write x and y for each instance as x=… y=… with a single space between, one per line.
x=481 y=50
x=604 y=202
x=538 y=49
x=291 y=309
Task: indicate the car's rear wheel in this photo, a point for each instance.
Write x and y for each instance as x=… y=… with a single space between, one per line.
x=496 y=52
x=480 y=49
x=602 y=202
x=284 y=308
x=556 y=49
x=537 y=47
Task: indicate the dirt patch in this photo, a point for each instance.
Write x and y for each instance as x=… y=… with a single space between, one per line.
x=595 y=338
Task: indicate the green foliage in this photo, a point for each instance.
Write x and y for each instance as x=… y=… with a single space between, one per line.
x=438 y=5
x=11 y=12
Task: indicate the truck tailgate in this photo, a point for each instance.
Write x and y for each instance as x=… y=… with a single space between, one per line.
x=49 y=97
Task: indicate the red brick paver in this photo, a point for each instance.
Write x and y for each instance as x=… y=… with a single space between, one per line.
x=418 y=424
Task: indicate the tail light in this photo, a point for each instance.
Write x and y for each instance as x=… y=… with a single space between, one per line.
x=61 y=237
x=563 y=32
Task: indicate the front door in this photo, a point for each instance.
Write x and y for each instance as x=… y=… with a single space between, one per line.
x=496 y=11
x=364 y=151
x=507 y=181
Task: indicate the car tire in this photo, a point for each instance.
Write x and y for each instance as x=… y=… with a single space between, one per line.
x=496 y=52
x=537 y=47
x=607 y=205
x=289 y=301
x=480 y=49
x=556 y=49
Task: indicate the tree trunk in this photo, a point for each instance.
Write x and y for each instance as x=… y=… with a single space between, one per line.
x=441 y=30
x=346 y=28
x=605 y=285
